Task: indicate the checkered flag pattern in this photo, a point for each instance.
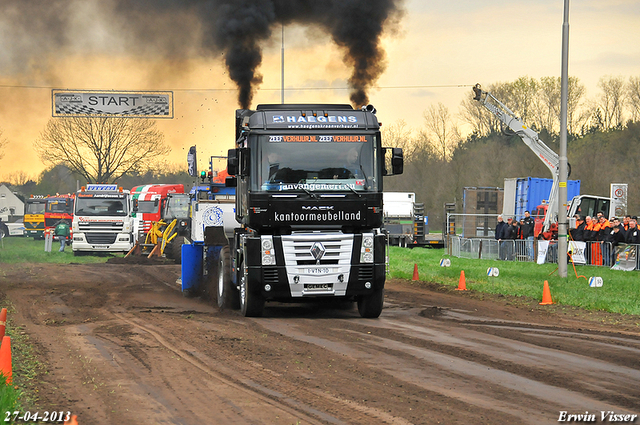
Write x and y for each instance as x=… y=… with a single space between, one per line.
x=146 y=110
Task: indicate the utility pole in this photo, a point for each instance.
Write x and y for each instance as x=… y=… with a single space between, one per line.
x=562 y=189
x=282 y=68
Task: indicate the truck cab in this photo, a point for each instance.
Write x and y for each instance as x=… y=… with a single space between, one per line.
x=309 y=182
x=102 y=220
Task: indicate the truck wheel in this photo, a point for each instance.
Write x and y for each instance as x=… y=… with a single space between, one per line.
x=176 y=249
x=251 y=304
x=227 y=295
x=370 y=306
x=4 y=230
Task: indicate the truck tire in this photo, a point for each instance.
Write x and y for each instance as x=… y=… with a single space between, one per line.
x=251 y=304
x=370 y=306
x=227 y=295
x=4 y=230
x=175 y=247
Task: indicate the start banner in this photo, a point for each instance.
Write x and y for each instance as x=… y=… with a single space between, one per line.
x=127 y=104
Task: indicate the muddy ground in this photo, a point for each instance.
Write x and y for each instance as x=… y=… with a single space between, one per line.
x=120 y=344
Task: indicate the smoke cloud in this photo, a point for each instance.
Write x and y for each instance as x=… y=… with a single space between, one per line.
x=172 y=30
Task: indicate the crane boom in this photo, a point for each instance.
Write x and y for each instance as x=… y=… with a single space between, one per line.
x=531 y=139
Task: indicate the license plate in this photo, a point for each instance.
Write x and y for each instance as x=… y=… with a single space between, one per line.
x=318 y=286
x=100 y=246
x=318 y=270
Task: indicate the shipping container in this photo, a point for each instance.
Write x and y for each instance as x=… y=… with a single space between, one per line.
x=527 y=193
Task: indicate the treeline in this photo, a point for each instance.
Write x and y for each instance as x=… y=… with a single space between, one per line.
x=60 y=179
x=603 y=141
x=597 y=159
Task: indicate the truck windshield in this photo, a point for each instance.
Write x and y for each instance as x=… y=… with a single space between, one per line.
x=58 y=206
x=316 y=163
x=147 y=206
x=35 y=208
x=90 y=206
x=177 y=207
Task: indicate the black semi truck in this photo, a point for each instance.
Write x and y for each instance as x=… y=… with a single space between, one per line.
x=308 y=182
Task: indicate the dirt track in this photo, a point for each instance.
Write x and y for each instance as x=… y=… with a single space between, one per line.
x=122 y=345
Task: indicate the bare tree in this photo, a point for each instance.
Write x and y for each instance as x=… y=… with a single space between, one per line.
x=473 y=113
x=633 y=97
x=101 y=149
x=524 y=98
x=611 y=101
x=440 y=130
x=399 y=135
x=19 y=178
x=548 y=114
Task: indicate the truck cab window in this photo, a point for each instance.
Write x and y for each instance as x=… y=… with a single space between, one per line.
x=336 y=166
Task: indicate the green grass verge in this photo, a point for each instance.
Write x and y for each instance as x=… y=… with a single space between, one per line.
x=27 y=250
x=8 y=397
x=22 y=394
x=620 y=292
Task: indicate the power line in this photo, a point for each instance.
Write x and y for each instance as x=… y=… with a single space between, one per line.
x=10 y=86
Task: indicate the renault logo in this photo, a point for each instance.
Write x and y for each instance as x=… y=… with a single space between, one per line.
x=317 y=250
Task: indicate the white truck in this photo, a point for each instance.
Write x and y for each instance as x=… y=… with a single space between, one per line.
x=399 y=217
x=102 y=220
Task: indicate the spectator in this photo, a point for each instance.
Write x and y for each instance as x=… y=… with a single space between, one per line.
x=527 y=225
x=588 y=236
x=62 y=232
x=603 y=233
x=510 y=235
x=625 y=222
x=632 y=235
x=501 y=229
x=588 y=229
x=613 y=235
x=577 y=234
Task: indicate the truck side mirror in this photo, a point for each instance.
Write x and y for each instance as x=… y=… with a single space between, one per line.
x=397 y=161
x=232 y=162
x=238 y=162
x=135 y=205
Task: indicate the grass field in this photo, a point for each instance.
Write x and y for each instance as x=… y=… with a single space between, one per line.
x=27 y=250
x=620 y=292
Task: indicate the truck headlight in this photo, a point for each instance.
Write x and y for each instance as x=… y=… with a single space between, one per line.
x=366 y=251
x=268 y=253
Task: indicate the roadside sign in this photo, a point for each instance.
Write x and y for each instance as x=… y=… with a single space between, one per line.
x=124 y=104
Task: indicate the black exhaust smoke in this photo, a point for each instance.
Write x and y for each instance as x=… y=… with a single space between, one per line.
x=237 y=28
x=183 y=29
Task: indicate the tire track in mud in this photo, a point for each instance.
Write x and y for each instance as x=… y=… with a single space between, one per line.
x=500 y=373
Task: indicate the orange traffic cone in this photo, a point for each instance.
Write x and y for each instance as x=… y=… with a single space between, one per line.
x=3 y=322
x=546 y=295
x=415 y=273
x=462 y=285
x=5 y=358
x=72 y=421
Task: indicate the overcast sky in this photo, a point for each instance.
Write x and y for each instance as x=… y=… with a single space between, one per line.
x=435 y=54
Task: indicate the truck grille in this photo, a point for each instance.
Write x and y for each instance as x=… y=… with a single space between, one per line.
x=298 y=249
x=101 y=238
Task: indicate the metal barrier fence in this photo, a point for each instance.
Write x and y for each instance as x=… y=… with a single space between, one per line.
x=594 y=253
